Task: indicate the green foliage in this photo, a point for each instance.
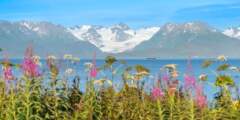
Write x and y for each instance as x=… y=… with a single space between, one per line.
x=53 y=98
x=223 y=80
x=140 y=69
x=109 y=60
x=207 y=63
x=223 y=67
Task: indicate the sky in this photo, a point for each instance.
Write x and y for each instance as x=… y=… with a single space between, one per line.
x=135 y=13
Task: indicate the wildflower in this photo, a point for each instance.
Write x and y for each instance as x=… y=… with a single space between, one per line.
x=157 y=93
x=102 y=81
x=140 y=75
x=128 y=76
x=172 y=88
x=222 y=58
x=132 y=85
x=51 y=57
x=165 y=78
x=36 y=59
x=99 y=82
x=223 y=67
x=88 y=65
x=93 y=70
x=67 y=57
x=189 y=81
x=7 y=73
x=109 y=82
x=203 y=77
x=29 y=67
x=236 y=69
x=53 y=71
x=201 y=99
x=223 y=80
x=75 y=59
x=53 y=68
x=69 y=71
x=207 y=63
x=174 y=74
x=171 y=66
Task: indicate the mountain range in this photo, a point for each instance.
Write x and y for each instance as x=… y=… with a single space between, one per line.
x=196 y=39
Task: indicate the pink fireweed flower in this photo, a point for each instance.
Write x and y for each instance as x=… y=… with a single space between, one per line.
x=189 y=81
x=7 y=69
x=156 y=93
x=172 y=88
x=165 y=78
x=93 y=69
x=7 y=73
x=29 y=66
x=93 y=72
x=201 y=99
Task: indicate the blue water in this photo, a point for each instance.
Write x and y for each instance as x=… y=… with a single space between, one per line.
x=154 y=67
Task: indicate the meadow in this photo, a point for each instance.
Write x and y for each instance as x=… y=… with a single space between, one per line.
x=46 y=94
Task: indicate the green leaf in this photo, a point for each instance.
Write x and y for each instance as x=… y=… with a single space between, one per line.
x=223 y=80
x=140 y=68
x=223 y=67
x=207 y=63
x=110 y=60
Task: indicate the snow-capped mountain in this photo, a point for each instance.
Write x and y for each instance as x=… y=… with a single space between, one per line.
x=34 y=26
x=233 y=32
x=184 y=40
x=114 y=39
x=45 y=37
x=170 y=41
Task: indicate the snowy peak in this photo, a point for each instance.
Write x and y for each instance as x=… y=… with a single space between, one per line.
x=233 y=32
x=120 y=26
x=193 y=27
x=34 y=27
x=113 y=39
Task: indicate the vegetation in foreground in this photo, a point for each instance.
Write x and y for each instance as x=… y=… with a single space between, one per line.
x=42 y=93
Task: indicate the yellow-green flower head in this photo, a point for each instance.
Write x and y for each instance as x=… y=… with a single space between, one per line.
x=222 y=58
x=36 y=59
x=203 y=77
x=171 y=66
x=67 y=56
x=88 y=65
x=100 y=82
x=235 y=69
x=69 y=71
x=51 y=57
x=76 y=59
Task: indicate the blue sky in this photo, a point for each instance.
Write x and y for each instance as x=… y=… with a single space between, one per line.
x=135 y=13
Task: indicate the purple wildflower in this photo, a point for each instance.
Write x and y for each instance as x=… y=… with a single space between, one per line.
x=189 y=79
x=157 y=93
x=201 y=99
x=29 y=67
x=7 y=70
x=7 y=73
x=93 y=70
x=165 y=78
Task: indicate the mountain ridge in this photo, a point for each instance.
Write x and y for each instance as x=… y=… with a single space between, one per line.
x=170 y=40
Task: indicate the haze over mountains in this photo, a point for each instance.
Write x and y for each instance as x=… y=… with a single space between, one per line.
x=168 y=41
